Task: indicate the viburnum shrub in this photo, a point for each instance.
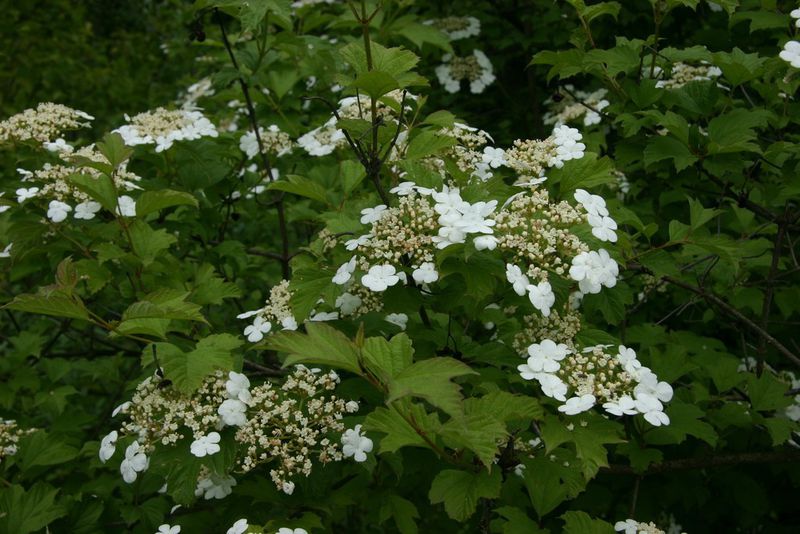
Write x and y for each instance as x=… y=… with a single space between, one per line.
x=402 y=267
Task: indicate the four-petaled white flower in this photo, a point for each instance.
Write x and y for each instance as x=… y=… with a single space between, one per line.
x=289 y=323
x=352 y=244
x=206 y=445
x=135 y=462
x=108 y=446
x=167 y=529
x=126 y=206
x=371 y=215
x=791 y=53
x=425 y=273
x=403 y=188
x=238 y=387
x=59 y=145
x=593 y=204
x=344 y=272
x=593 y=270
x=399 y=319
x=57 y=211
x=494 y=157
x=240 y=527
x=233 y=412
x=255 y=332
x=652 y=409
x=286 y=530
x=380 y=277
x=324 y=316
x=544 y=357
x=649 y=385
x=576 y=405
x=629 y=526
x=215 y=487
x=485 y=242
x=122 y=408
x=603 y=228
x=86 y=210
x=552 y=386
x=542 y=297
x=24 y=194
x=517 y=279
x=625 y=405
x=355 y=444
x=288 y=487
x=348 y=303
x=627 y=357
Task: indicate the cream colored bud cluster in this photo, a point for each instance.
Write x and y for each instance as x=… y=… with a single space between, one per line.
x=456 y=27
x=531 y=156
x=328 y=240
x=475 y=68
x=289 y=426
x=162 y=127
x=43 y=124
x=560 y=327
x=593 y=371
x=52 y=180
x=683 y=73
x=10 y=433
x=467 y=152
x=405 y=230
x=352 y=107
x=536 y=231
x=276 y=310
x=160 y=414
x=583 y=104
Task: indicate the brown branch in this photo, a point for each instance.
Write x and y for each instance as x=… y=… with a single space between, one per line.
x=264 y=370
x=767 y=306
x=730 y=310
x=722 y=460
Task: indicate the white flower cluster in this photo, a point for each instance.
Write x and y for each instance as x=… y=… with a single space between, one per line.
x=43 y=124
x=583 y=104
x=273 y=140
x=533 y=157
x=593 y=376
x=325 y=139
x=276 y=310
x=475 y=68
x=456 y=28
x=681 y=73
x=10 y=433
x=631 y=526
x=285 y=424
x=162 y=127
x=53 y=183
x=791 y=50
x=194 y=93
x=407 y=236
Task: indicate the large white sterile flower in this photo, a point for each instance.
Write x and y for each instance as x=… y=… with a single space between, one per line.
x=57 y=211
x=215 y=487
x=348 y=303
x=545 y=356
x=593 y=270
x=426 y=273
x=791 y=53
x=344 y=272
x=233 y=412
x=625 y=405
x=108 y=446
x=135 y=462
x=397 y=319
x=206 y=445
x=380 y=277
x=24 y=194
x=603 y=228
x=87 y=210
x=542 y=297
x=255 y=332
x=126 y=206
x=355 y=444
x=485 y=242
x=239 y=527
x=371 y=215
x=167 y=529
x=517 y=279
x=593 y=204
x=238 y=387
x=576 y=405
